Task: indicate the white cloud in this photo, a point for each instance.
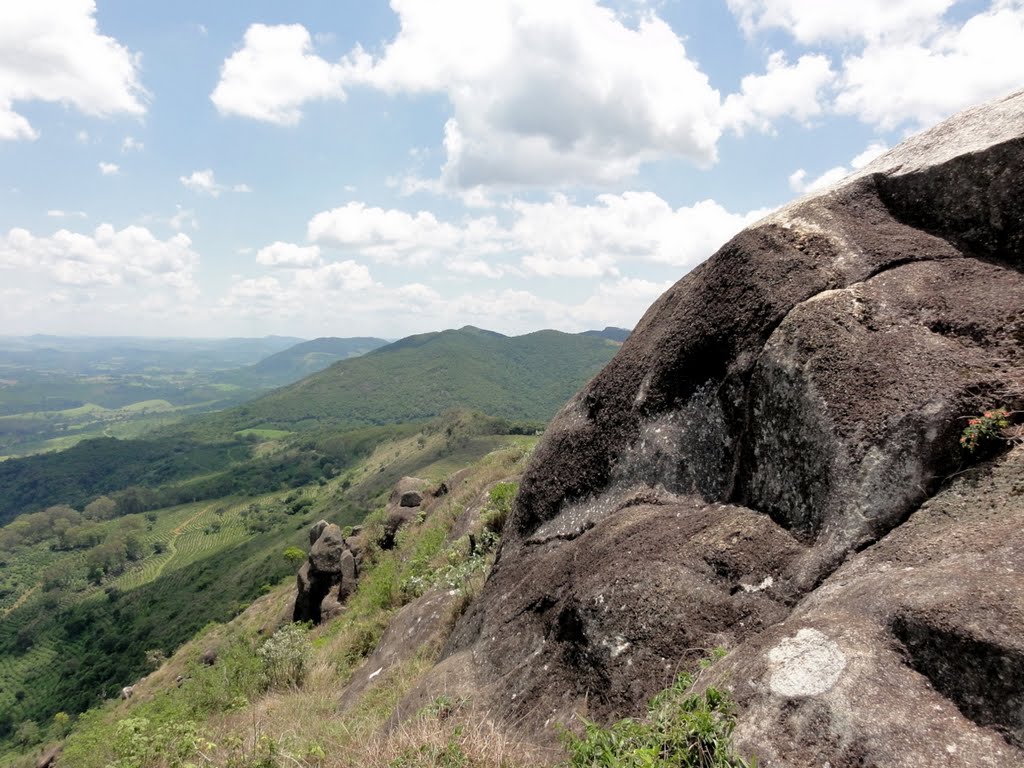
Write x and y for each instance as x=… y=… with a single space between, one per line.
x=873 y=150
x=814 y=21
x=55 y=53
x=59 y=214
x=923 y=81
x=183 y=217
x=785 y=90
x=131 y=144
x=288 y=255
x=241 y=188
x=109 y=169
x=274 y=74
x=202 y=182
x=542 y=92
x=391 y=236
x=799 y=183
x=557 y=238
x=111 y=257
x=548 y=92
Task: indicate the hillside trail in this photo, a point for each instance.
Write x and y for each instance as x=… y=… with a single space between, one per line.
x=172 y=548
x=21 y=600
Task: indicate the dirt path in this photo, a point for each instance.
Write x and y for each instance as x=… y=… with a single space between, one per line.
x=21 y=600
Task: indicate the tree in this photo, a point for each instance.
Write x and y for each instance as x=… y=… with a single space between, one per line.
x=101 y=508
x=27 y=733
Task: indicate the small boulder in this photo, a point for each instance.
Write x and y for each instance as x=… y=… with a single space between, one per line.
x=209 y=657
x=48 y=758
x=411 y=499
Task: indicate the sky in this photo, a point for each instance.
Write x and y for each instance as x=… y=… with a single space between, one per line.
x=356 y=167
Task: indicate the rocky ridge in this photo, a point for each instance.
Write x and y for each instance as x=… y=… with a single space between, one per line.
x=765 y=465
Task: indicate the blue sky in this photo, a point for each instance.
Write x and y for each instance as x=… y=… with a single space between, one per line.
x=365 y=168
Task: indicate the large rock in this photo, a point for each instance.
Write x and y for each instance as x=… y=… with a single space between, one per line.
x=787 y=404
x=331 y=565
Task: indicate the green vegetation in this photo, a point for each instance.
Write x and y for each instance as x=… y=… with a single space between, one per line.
x=420 y=377
x=89 y=598
x=55 y=392
x=684 y=728
x=300 y=361
x=985 y=430
x=273 y=702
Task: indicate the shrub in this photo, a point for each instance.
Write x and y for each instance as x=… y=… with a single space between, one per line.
x=682 y=728
x=985 y=429
x=286 y=656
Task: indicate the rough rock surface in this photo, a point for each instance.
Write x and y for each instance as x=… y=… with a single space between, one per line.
x=416 y=628
x=331 y=565
x=742 y=474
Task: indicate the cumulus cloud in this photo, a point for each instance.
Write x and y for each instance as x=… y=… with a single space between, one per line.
x=951 y=69
x=57 y=54
x=202 y=182
x=547 y=92
x=562 y=238
x=390 y=236
x=785 y=90
x=131 y=144
x=813 y=21
x=905 y=63
x=799 y=182
x=541 y=92
x=556 y=238
x=288 y=255
x=274 y=74
x=107 y=257
x=109 y=169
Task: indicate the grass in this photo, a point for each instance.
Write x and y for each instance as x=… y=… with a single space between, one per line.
x=684 y=728
x=240 y=724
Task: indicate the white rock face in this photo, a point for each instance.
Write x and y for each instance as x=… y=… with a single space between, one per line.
x=805 y=665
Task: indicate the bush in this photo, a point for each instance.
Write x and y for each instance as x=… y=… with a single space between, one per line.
x=682 y=729
x=983 y=430
x=286 y=656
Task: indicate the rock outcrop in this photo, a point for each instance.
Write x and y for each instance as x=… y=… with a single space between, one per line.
x=331 y=565
x=765 y=466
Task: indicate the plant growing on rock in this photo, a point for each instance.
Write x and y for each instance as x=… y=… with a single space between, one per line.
x=985 y=429
x=682 y=728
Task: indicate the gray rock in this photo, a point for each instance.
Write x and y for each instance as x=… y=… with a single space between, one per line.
x=742 y=473
x=325 y=555
x=316 y=530
x=348 y=576
x=411 y=499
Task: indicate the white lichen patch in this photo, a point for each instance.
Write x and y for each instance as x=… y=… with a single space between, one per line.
x=805 y=665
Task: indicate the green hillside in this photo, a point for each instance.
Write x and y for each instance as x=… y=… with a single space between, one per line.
x=84 y=597
x=300 y=361
x=519 y=377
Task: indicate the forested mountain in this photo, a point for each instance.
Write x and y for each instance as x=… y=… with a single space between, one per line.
x=518 y=377
x=300 y=361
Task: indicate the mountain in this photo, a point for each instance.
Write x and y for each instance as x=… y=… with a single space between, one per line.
x=515 y=377
x=611 y=333
x=300 y=361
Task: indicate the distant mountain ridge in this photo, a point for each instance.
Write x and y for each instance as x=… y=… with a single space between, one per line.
x=518 y=377
x=611 y=333
x=303 y=359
